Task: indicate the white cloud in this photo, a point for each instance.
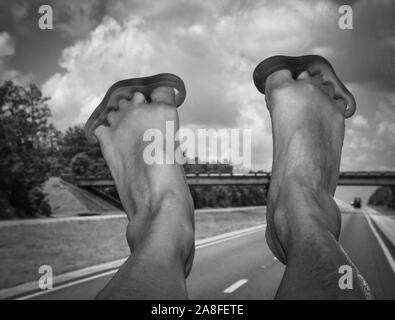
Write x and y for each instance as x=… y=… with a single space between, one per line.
x=370 y=142
x=7 y=46
x=7 y=49
x=213 y=46
x=16 y=76
x=76 y=18
x=388 y=129
x=110 y=54
x=359 y=122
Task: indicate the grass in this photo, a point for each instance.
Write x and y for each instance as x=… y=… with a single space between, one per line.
x=211 y=223
x=68 y=246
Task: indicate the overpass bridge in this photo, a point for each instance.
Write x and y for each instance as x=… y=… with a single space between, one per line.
x=350 y=178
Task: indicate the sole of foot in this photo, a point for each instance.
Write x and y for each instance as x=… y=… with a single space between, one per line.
x=308 y=105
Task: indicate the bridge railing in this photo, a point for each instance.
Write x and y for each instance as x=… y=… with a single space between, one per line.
x=368 y=178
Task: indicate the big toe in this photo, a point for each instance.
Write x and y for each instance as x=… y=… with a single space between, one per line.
x=164 y=95
x=102 y=134
x=276 y=79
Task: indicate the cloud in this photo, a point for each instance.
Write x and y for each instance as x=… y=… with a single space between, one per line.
x=111 y=53
x=19 y=9
x=385 y=119
x=370 y=142
x=7 y=50
x=370 y=44
x=214 y=46
x=360 y=122
x=75 y=18
x=7 y=46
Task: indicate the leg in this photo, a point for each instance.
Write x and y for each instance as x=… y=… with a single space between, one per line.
x=303 y=219
x=156 y=199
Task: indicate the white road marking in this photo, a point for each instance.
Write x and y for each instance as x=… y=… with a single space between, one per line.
x=235 y=286
x=386 y=252
x=221 y=238
x=64 y=278
x=249 y=208
x=230 y=238
x=228 y=234
x=108 y=215
x=263 y=267
x=63 y=286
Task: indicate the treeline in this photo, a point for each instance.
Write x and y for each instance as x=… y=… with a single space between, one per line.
x=33 y=150
x=218 y=196
x=383 y=196
x=228 y=196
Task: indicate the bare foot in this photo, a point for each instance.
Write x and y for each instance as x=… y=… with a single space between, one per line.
x=156 y=197
x=308 y=132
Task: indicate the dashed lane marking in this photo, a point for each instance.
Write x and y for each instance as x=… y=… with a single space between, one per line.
x=235 y=286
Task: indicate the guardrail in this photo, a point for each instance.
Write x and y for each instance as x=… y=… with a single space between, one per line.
x=348 y=178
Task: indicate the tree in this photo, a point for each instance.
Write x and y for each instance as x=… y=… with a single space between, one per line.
x=383 y=196
x=24 y=133
x=74 y=144
x=80 y=164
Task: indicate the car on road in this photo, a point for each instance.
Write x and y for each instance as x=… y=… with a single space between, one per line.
x=357 y=202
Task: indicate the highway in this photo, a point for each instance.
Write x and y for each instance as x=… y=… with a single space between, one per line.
x=244 y=268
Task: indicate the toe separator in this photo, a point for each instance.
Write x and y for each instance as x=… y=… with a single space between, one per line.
x=159 y=88
x=314 y=64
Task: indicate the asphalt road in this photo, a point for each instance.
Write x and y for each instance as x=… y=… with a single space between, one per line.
x=244 y=267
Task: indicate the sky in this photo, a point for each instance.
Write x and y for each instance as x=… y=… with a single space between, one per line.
x=214 y=47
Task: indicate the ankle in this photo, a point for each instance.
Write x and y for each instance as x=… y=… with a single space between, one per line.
x=144 y=191
x=301 y=212
x=165 y=229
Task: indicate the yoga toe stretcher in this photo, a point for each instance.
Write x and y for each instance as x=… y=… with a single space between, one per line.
x=125 y=89
x=313 y=64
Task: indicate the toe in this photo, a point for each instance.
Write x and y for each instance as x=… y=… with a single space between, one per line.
x=118 y=95
x=328 y=89
x=123 y=104
x=164 y=95
x=279 y=76
x=102 y=134
x=138 y=98
x=317 y=80
x=305 y=75
x=342 y=104
x=112 y=117
x=276 y=79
